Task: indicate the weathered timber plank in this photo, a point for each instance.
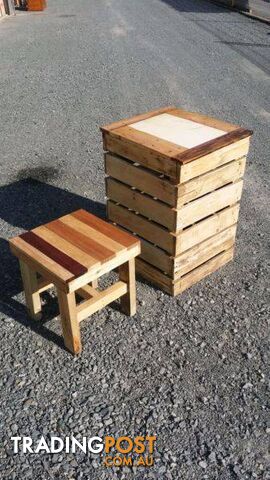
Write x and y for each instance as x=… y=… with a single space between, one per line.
x=141 y=178
x=141 y=203
x=210 y=181
x=206 y=228
x=209 y=204
x=145 y=228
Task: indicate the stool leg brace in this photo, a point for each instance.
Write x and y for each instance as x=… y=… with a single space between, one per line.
x=72 y=313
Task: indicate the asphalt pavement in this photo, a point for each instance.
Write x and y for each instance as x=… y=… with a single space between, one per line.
x=191 y=369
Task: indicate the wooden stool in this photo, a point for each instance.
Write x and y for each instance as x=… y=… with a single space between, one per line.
x=71 y=253
x=175 y=179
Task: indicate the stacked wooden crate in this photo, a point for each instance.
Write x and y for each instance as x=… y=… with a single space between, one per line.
x=175 y=180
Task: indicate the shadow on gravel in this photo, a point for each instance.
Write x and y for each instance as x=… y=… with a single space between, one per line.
x=26 y=204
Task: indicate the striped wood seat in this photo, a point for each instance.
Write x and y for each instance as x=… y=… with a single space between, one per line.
x=71 y=253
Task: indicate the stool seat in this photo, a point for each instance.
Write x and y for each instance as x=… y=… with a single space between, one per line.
x=70 y=253
x=75 y=248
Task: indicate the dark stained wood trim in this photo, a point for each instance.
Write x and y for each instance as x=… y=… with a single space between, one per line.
x=212 y=145
x=123 y=238
x=42 y=269
x=136 y=118
x=86 y=244
x=54 y=254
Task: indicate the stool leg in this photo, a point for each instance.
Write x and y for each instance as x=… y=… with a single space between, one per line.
x=127 y=275
x=70 y=324
x=30 y=285
x=94 y=283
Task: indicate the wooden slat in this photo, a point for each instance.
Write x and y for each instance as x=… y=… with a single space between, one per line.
x=209 y=204
x=204 y=120
x=150 y=157
x=143 y=227
x=202 y=252
x=190 y=259
x=123 y=238
x=136 y=118
x=212 y=145
x=40 y=269
x=99 y=301
x=96 y=272
x=206 y=228
x=92 y=233
x=154 y=276
x=36 y=257
x=87 y=292
x=210 y=181
x=215 y=159
x=157 y=257
x=86 y=244
x=44 y=285
x=139 y=202
x=53 y=253
x=141 y=178
x=65 y=246
x=201 y=272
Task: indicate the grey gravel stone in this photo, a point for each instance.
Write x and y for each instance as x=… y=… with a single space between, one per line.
x=212 y=457
x=108 y=421
x=162 y=469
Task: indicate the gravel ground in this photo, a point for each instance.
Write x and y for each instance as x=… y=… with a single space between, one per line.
x=192 y=370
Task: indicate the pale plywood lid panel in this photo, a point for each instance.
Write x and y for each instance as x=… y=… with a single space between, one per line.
x=179 y=131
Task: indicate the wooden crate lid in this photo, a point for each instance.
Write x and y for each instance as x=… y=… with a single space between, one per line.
x=180 y=135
